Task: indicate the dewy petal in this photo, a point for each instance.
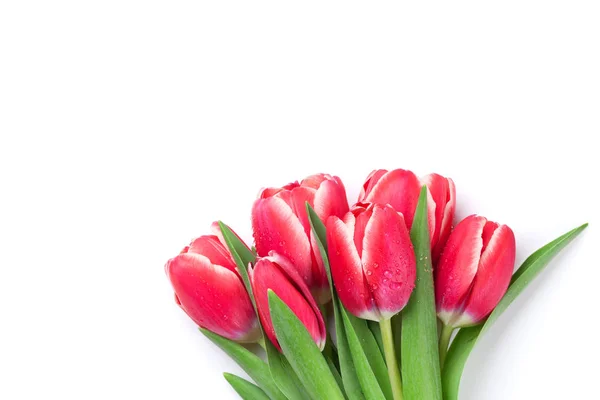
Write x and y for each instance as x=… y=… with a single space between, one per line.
x=214 y=297
x=347 y=272
x=400 y=189
x=331 y=199
x=388 y=260
x=493 y=275
x=211 y=247
x=371 y=181
x=457 y=267
x=277 y=228
x=267 y=275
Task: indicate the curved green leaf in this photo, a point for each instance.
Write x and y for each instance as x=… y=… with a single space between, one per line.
x=420 y=357
x=256 y=368
x=366 y=376
x=466 y=338
x=302 y=353
x=241 y=255
x=371 y=350
x=335 y=372
x=283 y=374
x=376 y=331
x=349 y=378
x=246 y=390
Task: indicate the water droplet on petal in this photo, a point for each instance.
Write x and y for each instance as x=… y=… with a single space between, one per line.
x=387 y=274
x=396 y=285
x=369 y=272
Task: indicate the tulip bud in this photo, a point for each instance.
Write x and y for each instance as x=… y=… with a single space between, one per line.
x=277 y=273
x=280 y=224
x=400 y=188
x=209 y=289
x=474 y=271
x=372 y=260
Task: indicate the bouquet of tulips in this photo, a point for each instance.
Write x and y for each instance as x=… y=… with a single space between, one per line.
x=381 y=300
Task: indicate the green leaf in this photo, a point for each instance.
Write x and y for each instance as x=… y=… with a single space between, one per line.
x=348 y=371
x=372 y=352
x=283 y=374
x=256 y=368
x=420 y=357
x=246 y=390
x=466 y=338
x=335 y=372
x=366 y=376
x=281 y=371
x=376 y=331
x=241 y=255
x=302 y=353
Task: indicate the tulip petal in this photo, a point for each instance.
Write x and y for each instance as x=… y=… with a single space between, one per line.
x=346 y=270
x=299 y=283
x=267 y=275
x=400 y=189
x=330 y=199
x=211 y=247
x=438 y=187
x=447 y=219
x=370 y=182
x=388 y=260
x=359 y=229
x=296 y=199
x=493 y=274
x=458 y=267
x=213 y=296
x=277 y=228
x=314 y=181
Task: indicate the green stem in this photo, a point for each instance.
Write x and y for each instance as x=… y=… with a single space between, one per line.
x=445 y=343
x=390 y=358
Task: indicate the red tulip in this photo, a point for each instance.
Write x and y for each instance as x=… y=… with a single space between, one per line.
x=277 y=273
x=474 y=271
x=280 y=223
x=372 y=260
x=400 y=188
x=210 y=291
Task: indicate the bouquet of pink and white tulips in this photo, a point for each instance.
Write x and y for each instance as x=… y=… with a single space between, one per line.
x=381 y=300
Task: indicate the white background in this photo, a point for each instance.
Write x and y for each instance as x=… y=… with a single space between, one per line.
x=127 y=127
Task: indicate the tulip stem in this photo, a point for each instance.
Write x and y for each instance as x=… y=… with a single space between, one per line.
x=390 y=358
x=445 y=343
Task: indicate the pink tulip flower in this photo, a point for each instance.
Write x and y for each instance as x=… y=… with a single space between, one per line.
x=209 y=289
x=474 y=271
x=280 y=223
x=372 y=260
